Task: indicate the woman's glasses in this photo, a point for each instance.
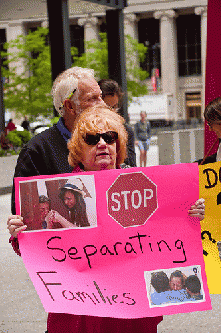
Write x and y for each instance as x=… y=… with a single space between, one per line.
x=109 y=137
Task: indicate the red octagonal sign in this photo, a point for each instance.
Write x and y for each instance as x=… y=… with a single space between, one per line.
x=132 y=199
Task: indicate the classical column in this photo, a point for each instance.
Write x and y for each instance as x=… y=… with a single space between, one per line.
x=203 y=12
x=90 y=28
x=13 y=30
x=45 y=24
x=130 y=25
x=169 y=59
x=130 y=28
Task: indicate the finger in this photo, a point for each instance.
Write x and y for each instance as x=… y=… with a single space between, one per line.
x=14 y=231
x=196 y=214
x=15 y=223
x=197 y=210
x=14 y=217
x=18 y=230
x=200 y=201
x=196 y=206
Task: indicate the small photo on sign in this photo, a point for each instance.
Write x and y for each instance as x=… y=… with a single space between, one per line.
x=174 y=286
x=59 y=202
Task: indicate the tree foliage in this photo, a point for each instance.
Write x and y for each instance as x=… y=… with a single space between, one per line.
x=27 y=88
x=96 y=58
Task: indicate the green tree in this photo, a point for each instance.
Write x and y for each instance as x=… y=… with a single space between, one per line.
x=28 y=91
x=96 y=58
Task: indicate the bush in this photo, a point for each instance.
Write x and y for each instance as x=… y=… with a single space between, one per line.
x=18 y=138
x=14 y=138
x=24 y=135
x=55 y=120
x=3 y=152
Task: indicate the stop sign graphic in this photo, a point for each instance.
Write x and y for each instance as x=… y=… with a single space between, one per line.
x=132 y=199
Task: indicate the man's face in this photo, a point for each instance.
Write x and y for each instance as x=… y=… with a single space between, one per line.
x=143 y=116
x=176 y=283
x=89 y=94
x=44 y=210
x=112 y=101
x=69 y=199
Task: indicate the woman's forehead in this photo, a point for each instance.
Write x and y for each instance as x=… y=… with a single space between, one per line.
x=98 y=125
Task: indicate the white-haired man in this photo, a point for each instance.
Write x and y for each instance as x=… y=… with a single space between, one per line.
x=45 y=154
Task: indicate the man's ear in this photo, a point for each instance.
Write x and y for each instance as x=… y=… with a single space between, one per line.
x=69 y=106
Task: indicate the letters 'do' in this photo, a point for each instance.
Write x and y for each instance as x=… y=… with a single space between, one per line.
x=132 y=199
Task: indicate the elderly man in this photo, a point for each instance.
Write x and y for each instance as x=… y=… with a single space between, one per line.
x=45 y=154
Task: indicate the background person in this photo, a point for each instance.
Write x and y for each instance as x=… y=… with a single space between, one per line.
x=212 y=115
x=112 y=95
x=25 y=123
x=10 y=127
x=142 y=133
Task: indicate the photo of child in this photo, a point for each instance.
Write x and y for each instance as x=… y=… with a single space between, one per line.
x=59 y=202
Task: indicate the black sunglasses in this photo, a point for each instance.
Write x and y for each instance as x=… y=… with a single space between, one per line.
x=109 y=137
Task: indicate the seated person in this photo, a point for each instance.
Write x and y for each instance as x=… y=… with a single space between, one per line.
x=193 y=287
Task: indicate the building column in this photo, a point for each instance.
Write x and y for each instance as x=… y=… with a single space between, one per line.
x=14 y=30
x=169 y=58
x=45 y=24
x=203 y=12
x=130 y=25
x=91 y=30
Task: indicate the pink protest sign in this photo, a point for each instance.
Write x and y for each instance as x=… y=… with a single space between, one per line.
x=114 y=265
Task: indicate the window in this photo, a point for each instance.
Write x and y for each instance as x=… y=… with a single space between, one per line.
x=193 y=107
x=77 y=38
x=189 y=45
x=2 y=41
x=148 y=31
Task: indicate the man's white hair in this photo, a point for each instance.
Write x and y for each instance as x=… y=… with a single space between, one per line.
x=66 y=83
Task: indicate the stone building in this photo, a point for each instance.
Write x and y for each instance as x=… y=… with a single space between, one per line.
x=173 y=30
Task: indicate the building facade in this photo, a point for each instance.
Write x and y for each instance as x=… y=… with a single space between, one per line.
x=173 y=31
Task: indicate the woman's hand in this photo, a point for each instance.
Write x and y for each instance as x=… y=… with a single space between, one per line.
x=198 y=209
x=15 y=225
x=53 y=217
x=50 y=219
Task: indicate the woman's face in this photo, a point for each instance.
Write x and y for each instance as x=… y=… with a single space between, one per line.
x=101 y=156
x=176 y=283
x=111 y=101
x=215 y=127
x=69 y=199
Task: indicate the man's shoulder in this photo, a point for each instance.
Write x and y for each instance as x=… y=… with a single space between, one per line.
x=128 y=127
x=51 y=133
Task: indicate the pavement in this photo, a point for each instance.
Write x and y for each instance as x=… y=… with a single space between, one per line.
x=21 y=310
x=7 y=167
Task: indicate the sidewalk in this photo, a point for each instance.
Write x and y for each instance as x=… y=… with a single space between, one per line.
x=7 y=168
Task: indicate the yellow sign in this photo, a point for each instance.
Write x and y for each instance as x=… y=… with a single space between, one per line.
x=210 y=190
